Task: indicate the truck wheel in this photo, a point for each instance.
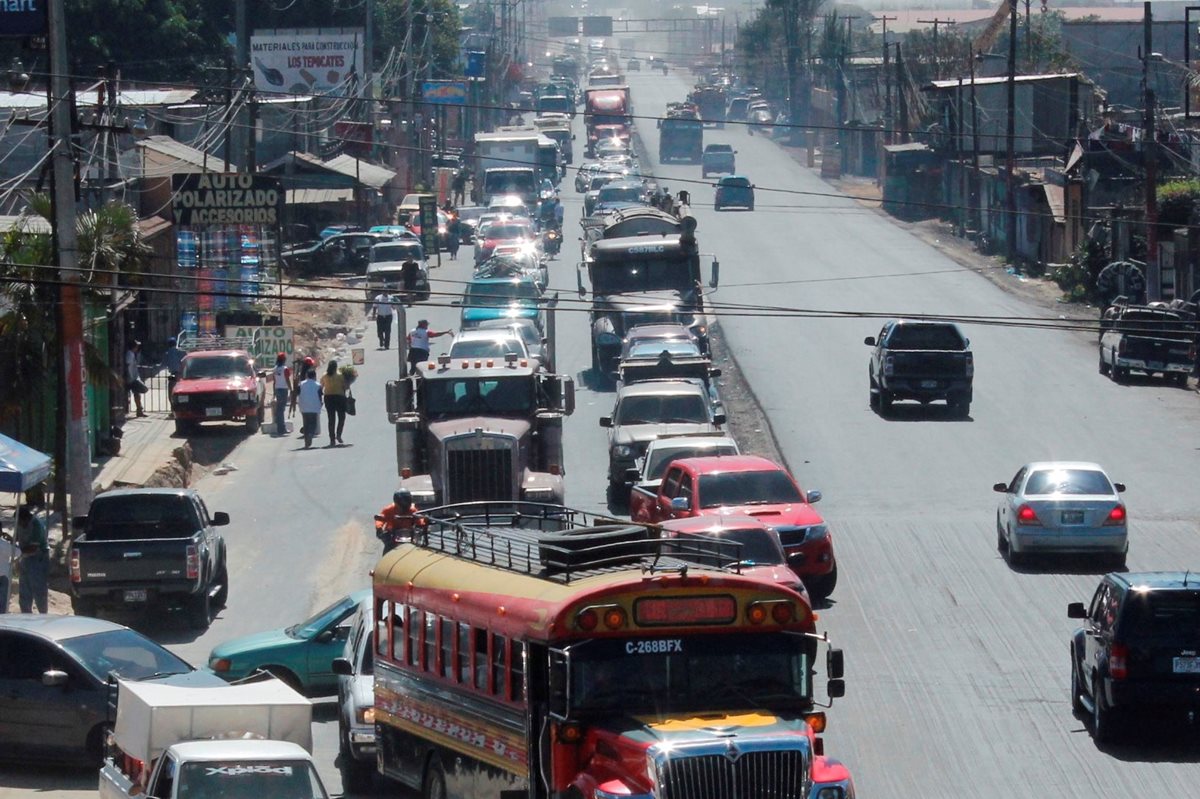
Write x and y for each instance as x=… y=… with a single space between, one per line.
x=820 y=587
x=199 y=611
x=184 y=428
x=222 y=595
x=254 y=420
x=1103 y=365
x=1076 y=687
x=1106 y=728
x=885 y=402
x=434 y=786
x=1181 y=379
x=1117 y=373
x=83 y=607
x=357 y=775
x=961 y=408
x=872 y=391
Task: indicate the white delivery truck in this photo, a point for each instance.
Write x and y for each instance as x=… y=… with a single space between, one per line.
x=251 y=741
x=515 y=148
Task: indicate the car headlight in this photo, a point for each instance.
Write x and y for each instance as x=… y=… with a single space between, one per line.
x=623 y=451
x=365 y=715
x=817 y=531
x=832 y=792
x=181 y=398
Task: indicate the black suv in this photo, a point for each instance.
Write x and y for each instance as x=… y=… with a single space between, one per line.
x=1138 y=651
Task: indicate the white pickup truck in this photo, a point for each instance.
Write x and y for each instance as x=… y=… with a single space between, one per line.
x=238 y=741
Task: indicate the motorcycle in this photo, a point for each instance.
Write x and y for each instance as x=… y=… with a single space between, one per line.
x=552 y=241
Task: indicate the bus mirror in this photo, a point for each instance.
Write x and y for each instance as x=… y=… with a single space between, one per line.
x=837 y=689
x=835 y=664
x=567 y=395
x=716 y=274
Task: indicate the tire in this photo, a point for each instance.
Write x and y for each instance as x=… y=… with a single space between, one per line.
x=1076 y=687
x=820 y=587
x=961 y=409
x=222 y=596
x=94 y=745
x=199 y=611
x=1181 y=379
x=1106 y=728
x=1104 y=368
x=1016 y=559
x=1116 y=563
x=885 y=402
x=83 y=607
x=184 y=428
x=357 y=775
x=1001 y=541
x=716 y=207
x=254 y=421
x=1117 y=374
x=434 y=784
x=750 y=207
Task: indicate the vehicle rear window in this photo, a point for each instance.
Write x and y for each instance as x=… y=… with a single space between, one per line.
x=925 y=337
x=395 y=252
x=747 y=488
x=141 y=516
x=125 y=653
x=508 y=232
x=679 y=409
x=662 y=458
x=197 y=368
x=1045 y=482
x=485 y=348
x=736 y=183
x=1164 y=613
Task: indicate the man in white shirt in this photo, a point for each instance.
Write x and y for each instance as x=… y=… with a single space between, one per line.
x=382 y=311
x=418 y=344
x=281 y=381
x=133 y=375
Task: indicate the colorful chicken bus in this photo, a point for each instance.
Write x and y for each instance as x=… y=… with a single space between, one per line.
x=536 y=653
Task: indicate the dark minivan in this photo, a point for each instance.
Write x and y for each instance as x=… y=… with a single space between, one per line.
x=1138 y=651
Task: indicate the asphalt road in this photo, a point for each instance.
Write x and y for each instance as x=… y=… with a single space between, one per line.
x=957 y=666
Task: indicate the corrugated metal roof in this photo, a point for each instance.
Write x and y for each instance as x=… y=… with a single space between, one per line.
x=1054 y=198
x=318 y=196
x=165 y=145
x=33 y=224
x=365 y=172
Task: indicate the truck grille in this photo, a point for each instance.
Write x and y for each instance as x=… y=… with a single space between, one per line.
x=480 y=474
x=752 y=775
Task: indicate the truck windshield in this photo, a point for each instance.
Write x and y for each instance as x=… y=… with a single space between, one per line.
x=218 y=366
x=129 y=518
x=747 y=488
x=252 y=779
x=125 y=653
x=617 y=274
x=476 y=395
x=925 y=337
x=508 y=182
x=674 y=674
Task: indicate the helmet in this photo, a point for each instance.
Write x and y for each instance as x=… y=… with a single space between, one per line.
x=402 y=498
x=309 y=362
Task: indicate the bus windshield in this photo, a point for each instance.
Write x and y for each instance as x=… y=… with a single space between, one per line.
x=674 y=674
x=622 y=274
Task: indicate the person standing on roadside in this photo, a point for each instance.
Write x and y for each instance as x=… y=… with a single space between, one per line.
x=310 y=405
x=382 y=312
x=32 y=538
x=133 y=374
x=459 y=186
x=418 y=344
x=333 y=387
x=453 y=236
x=173 y=362
x=282 y=382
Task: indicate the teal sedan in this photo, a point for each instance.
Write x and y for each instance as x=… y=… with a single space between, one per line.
x=301 y=655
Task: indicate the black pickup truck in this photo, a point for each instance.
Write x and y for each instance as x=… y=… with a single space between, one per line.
x=922 y=361
x=1154 y=340
x=146 y=548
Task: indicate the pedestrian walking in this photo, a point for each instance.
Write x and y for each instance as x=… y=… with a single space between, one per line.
x=382 y=312
x=173 y=362
x=410 y=274
x=453 y=236
x=282 y=382
x=133 y=375
x=34 y=543
x=299 y=367
x=333 y=388
x=459 y=186
x=418 y=343
x=310 y=405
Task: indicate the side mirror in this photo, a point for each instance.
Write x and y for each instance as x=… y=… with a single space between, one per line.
x=1000 y=488
x=1119 y=486
x=342 y=667
x=632 y=475
x=325 y=636
x=813 y=497
x=606 y=421
x=836 y=689
x=220 y=519
x=715 y=277
x=869 y=341
x=679 y=503
x=1076 y=610
x=53 y=678
x=835 y=664
x=78 y=523
x=568 y=395
x=719 y=419
x=714 y=372
x=572 y=137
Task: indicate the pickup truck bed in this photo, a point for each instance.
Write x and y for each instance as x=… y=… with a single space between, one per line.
x=1147 y=340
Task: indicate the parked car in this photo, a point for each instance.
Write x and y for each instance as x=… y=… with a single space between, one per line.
x=1147 y=339
x=339 y=253
x=1062 y=507
x=734 y=191
x=218 y=386
x=55 y=694
x=139 y=549
x=717 y=158
x=922 y=361
x=1138 y=651
x=301 y=655
x=355 y=671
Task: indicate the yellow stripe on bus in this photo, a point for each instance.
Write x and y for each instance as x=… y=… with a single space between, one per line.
x=692 y=722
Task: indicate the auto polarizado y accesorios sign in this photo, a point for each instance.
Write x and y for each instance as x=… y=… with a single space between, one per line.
x=265 y=342
x=23 y=18
x=226 y=199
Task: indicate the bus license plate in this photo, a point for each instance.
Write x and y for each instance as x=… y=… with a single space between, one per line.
x=1072 y=517
x=136 y=595
x=1186 y=666
x=212 y=411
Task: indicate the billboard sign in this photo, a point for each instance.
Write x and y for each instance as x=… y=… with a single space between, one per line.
x=265 y=342
x=597 y=26
x=563 y=26
x=444 y=92
x=429 y=224
x=23 y=18
x=233 y=198
x=311 y=61
x=476 y=64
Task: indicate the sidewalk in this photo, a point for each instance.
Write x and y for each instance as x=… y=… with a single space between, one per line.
x=149 y=456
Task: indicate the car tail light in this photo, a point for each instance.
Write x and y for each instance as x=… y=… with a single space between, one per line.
x=76 y=569
x=1118 y=666
x=889 y=366
x=193 y=562
x=1116 y=516
x=970 y=365
x=1027 y=516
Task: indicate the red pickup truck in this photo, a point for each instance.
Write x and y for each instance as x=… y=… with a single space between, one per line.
x=216 y=386
x=747 y=485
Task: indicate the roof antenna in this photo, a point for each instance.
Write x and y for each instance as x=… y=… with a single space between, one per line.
x=1185 y=577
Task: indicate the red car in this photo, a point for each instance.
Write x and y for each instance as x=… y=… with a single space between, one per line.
x=747 y=485
x=218 y=386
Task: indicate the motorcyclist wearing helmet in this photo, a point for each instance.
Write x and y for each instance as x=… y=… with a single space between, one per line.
x=395 y=522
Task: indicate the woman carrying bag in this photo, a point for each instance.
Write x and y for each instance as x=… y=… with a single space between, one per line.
x=333 y=386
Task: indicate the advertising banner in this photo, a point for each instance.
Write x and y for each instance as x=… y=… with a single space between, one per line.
x=313 y=61
x=429 y=224
x=265 y=342
x=212 y=198
x=444 y=92
x=23 y=18
x=476 y=64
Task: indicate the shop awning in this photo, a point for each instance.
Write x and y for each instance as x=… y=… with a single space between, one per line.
x=21 y=467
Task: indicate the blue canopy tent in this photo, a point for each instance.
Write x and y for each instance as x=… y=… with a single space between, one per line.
x=21 y=467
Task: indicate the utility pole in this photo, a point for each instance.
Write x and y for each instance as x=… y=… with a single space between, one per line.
x=1028 y=39
x=368 y=87
x=977 y=211
x=78 y=465
x=1010 y=130
x=901 y=99
x=242 y=59
x=1150 y=160
x=937 y=54
x=958 y=146
x=887 y=83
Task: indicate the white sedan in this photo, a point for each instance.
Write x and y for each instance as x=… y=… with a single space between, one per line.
x=1062 y=507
